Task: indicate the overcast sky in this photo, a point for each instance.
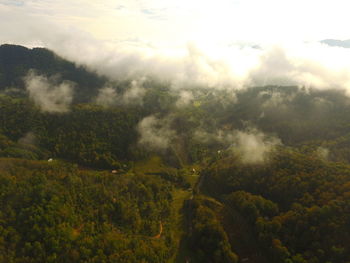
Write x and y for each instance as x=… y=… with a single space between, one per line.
x=165 y=30
x=162 y=22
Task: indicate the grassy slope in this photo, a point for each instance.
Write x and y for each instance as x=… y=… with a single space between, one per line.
x=155 y=165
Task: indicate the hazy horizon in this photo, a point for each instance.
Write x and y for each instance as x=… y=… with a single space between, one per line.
x=222 y=44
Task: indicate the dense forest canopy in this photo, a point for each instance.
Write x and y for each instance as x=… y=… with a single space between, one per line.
x=100 y=170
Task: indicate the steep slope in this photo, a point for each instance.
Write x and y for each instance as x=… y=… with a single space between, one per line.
x=16 y=61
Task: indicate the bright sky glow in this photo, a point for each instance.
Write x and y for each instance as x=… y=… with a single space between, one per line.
x=178 y=22
x=223 y=39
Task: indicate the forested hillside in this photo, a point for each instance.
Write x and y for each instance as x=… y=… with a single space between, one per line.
x=17 y=60
x=101 y=170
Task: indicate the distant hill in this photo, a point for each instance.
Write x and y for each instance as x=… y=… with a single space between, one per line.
x=16 y=61
x=336 y=43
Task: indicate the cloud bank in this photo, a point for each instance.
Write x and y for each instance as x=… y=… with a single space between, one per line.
x=133 y=95
x=47 y=94
x=311 y=65
x=107 y=96
x=155 y=133
x=251 y=145
x=254 y=146
x=132 y=39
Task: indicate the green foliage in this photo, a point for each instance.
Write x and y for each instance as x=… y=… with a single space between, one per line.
x=207 y=237
x=53 y=212
x=89 y=134
x=15 y=61
x=298 y=205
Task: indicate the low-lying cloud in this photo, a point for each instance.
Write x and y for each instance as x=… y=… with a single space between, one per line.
x=155 y=133
x=136 y=92
x=107 y=96
x=226 y=66
x=133 y=95
x=251 y=145
x=49 y=95
x=311 y=65
x=28 y=139
x=322 y=153
x=218 y=59
x=185 y=98
x=254 y=146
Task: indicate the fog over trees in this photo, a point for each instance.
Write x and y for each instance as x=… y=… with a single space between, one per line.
x=145 y=169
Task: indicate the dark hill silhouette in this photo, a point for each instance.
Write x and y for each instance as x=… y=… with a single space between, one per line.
x=16 y=61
